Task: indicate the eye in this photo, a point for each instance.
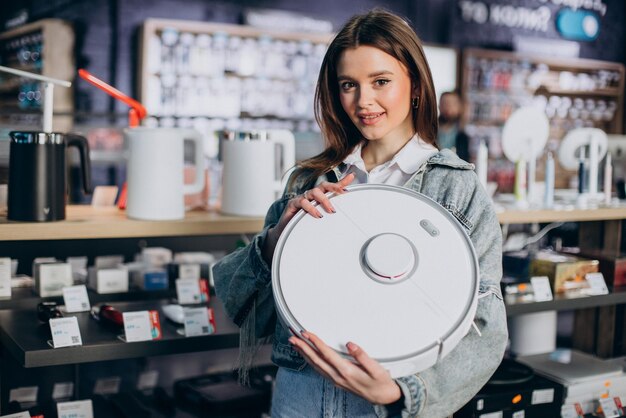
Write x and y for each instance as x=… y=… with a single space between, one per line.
x=346 y=85
x=381 y=82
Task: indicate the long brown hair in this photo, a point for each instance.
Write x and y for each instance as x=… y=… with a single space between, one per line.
x=391 y=34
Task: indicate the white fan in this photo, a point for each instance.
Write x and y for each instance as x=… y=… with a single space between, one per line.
x=524 y=137
x=573 y=146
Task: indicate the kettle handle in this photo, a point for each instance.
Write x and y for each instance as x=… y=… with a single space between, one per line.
x=80 y=142
x=287 y=141
x=198 y=184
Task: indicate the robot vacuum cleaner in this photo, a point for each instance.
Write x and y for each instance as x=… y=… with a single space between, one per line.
x=392 y=271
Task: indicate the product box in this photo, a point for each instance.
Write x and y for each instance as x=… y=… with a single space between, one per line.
x=108 y=280
x=612 y=265
x=516 y=264
x=565 y=271
x=537 y=398
x=187 y=270
x=51 y=278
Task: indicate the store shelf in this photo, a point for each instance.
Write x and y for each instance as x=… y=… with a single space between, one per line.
x=25 y=298
x=86 y=222
x=561 y=303
x=521 y=216
x=25 y=338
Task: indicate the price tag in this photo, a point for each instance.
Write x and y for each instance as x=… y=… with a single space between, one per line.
x=518 y=414
x=190 y=291
x=609 y=408
x=5 y=277
x=541 y=396
x=148 y=380
x=27 y=394
x=76 y=298
x=141 y=326
x=189 y=271
x=76 y=409
x=24 y=414
x=572 y=411
x=65 y=332
x=107 y=386
x=597 y=285
x=492 y=415
x=63 y=390
x=199 y=321
x=541 y=288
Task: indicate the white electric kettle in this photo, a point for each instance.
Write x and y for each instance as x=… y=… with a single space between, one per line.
x=253 y=170
x=156 y=187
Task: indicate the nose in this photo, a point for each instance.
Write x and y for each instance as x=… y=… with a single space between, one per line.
x=365 y=97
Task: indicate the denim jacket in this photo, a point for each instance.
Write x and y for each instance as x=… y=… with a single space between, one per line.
x=243 y=283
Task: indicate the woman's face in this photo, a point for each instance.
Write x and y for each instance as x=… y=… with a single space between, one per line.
x=375 y=91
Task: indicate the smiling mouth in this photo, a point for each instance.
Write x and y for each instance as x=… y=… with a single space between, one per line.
x=371 y=118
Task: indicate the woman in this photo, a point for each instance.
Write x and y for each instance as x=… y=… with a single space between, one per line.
x=375 y=104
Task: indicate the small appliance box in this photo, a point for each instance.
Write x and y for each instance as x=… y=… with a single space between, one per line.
x=612 y=265
x=565 y=271
x=537 y=398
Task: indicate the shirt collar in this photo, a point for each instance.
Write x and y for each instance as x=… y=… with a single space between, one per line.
x=409 y=158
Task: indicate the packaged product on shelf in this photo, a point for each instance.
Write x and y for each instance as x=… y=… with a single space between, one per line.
x=566 y=272
x=51 y=277
x=108 y=280
x=612 y=265
x=586 y=378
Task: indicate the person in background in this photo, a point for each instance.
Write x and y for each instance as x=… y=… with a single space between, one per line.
x=450 y=134
x=376 y=106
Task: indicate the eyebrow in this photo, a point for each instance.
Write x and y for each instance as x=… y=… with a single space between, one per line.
x=371 y=75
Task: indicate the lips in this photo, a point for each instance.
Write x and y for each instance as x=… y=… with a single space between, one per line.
x=370 y=118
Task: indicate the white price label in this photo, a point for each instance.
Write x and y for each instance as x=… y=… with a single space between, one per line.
x=5 y=277
x=76 y=299
x=492 y=415
x=571 y=411
x=609 y=408
x=62 y=390
x=540 y=396
x=188 y=291
x=76 y=409
x=148 y=380
x=24 y=414
x=198 y=321
x=189 y=271
x=541 y=288
x=65 y=332
x=141 y=326
x=27 y=394
x=597 y=285
x=518 y=414
x=107 y=386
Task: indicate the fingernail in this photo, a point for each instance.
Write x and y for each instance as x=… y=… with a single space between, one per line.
x=345 y=190
x=351 y=346
x=332 y=209
x=320 y=215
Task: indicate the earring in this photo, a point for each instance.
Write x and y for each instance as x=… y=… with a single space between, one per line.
x=415 y=102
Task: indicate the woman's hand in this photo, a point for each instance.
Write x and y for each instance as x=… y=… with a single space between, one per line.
x=304 y=202
x=367 y=378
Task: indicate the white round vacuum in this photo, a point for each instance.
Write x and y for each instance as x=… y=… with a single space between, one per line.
x=392 y=271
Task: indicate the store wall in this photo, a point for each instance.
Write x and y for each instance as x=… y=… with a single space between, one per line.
x=107 y=29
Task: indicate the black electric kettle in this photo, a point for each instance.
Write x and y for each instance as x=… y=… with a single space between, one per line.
x=37 y=174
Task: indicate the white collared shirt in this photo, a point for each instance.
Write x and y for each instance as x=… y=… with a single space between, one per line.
x=396 y=171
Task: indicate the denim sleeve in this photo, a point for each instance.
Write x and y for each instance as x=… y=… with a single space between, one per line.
x=444 y=388
x=243 y=277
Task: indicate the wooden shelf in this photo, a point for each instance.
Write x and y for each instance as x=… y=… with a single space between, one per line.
x=86 y=222
x=518 y=216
